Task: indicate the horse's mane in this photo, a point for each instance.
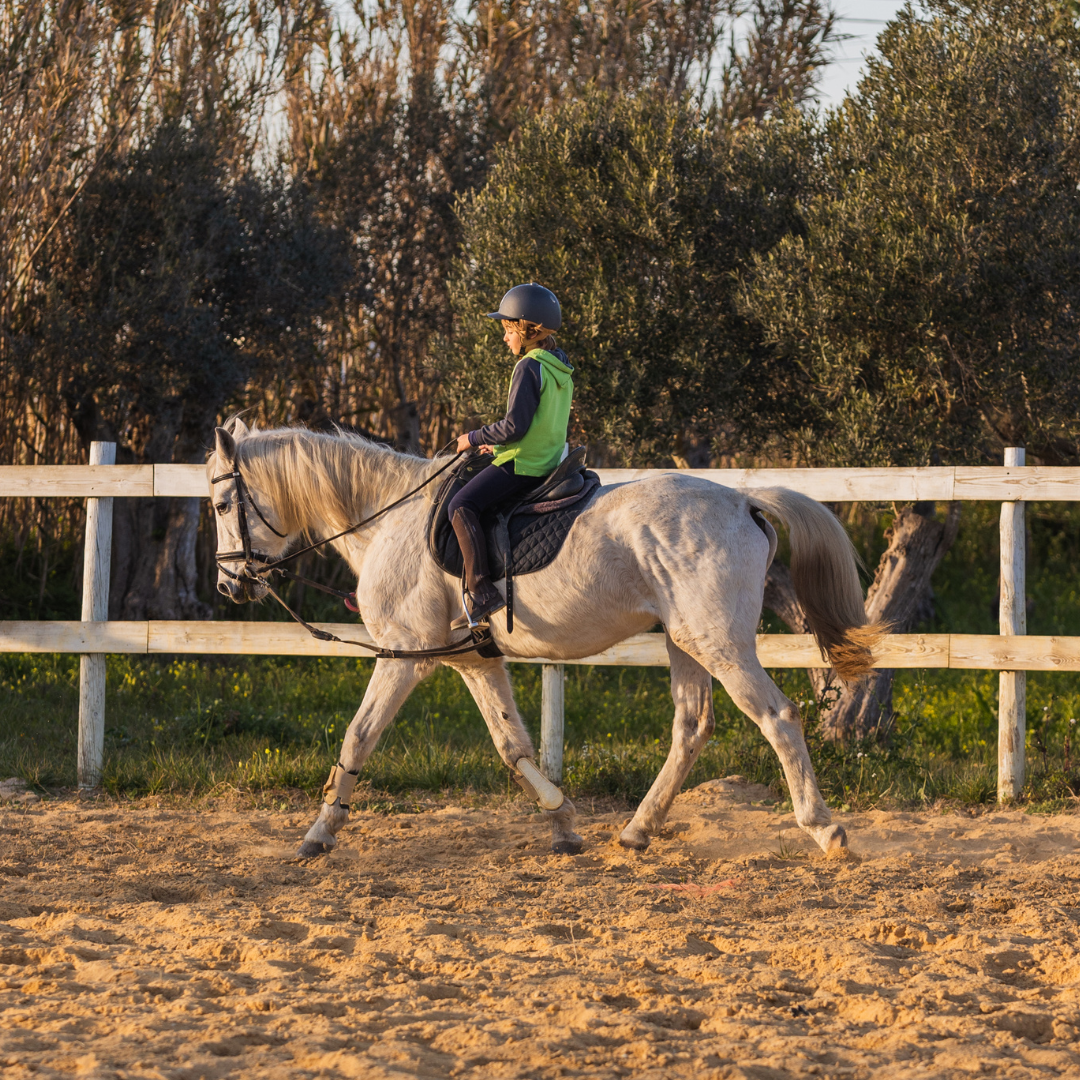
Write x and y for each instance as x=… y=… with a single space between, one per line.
x=332 y=477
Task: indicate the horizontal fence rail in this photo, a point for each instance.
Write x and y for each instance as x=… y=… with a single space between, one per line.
x=987 y=652
x=991 y=483
x=1012 y=652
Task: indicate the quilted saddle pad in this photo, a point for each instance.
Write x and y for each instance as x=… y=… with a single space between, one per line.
x=536 y=530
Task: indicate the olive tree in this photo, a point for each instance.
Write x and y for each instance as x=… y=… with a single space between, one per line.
x=165 y=288
x=929 y=309
x=896 y=282
x=639 y=213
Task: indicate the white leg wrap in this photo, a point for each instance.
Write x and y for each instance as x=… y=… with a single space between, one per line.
x=339 y=786
x=543 y=790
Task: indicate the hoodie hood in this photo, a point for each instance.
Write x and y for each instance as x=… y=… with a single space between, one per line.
x=555 y=363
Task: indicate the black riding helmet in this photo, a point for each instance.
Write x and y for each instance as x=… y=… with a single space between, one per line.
x=531 y=302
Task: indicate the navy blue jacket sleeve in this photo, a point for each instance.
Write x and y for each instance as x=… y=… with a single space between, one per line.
x=520 y=410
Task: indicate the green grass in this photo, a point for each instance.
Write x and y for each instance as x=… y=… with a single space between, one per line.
x=260 y=725
x=264 y=725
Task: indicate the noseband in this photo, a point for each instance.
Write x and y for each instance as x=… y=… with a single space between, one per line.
x=258 y=567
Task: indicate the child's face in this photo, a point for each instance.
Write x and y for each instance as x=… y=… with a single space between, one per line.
x=512 y=339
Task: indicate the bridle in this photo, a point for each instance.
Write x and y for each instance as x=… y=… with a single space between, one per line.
x=248 y=555
x=258 y=567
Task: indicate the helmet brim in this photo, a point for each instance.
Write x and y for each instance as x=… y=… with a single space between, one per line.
x=500 y=317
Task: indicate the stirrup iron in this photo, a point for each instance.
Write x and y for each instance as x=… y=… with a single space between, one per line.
x=466 y=621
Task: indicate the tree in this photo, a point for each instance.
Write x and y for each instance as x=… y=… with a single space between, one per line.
x=896 y=284
x=168 y=248
x=396 y=115
x=779 y=62
x=928 y=312
x=149 y=264
x=167 y=287
x=638 y=212
x=381 y=133
x=534 y=55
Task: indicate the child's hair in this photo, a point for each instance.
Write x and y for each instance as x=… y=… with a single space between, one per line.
x=533 y=335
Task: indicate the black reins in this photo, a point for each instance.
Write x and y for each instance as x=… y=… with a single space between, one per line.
x=477 y=638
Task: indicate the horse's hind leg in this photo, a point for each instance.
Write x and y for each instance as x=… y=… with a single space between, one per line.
x=760 y=698
x=489 y=685
x=391 y=683
x=691 y=690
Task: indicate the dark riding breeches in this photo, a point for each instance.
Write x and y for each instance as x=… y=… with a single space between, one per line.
x=495 y=484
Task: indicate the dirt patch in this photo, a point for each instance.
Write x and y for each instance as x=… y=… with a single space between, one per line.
x=142 y=942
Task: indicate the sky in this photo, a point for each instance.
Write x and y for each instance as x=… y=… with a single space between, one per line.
x=863 y=20
x=860 y=20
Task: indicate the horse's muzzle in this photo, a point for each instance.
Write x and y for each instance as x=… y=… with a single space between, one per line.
x=242 y=591
x=236 y=591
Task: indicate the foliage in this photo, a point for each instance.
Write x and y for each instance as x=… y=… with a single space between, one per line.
x=896 y=283
x=395 y=121
x=169 y=284
x=538 y=54
x=928 y=312
x=156 y=264
x=639 y=213
x=251 y=205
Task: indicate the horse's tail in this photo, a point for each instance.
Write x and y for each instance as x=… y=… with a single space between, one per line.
x=824 y=571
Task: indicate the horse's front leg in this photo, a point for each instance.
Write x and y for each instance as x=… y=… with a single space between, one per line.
x=391 y=683
x=489 y=685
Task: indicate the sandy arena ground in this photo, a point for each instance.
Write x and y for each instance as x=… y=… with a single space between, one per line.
x=143 y=942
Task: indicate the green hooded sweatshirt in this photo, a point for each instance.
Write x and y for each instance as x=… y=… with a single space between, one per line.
x=541 y=448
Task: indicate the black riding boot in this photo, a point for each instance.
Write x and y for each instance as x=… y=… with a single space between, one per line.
x=483 y=598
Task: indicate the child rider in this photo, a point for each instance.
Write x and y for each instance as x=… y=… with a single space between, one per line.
x=528 y=443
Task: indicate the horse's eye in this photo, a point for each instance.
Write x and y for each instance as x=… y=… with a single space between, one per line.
x=222 y=508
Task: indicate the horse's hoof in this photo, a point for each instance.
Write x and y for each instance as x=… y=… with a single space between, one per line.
x=634 y=838
x=838 y=840
x=568 y=845
x=310 y=849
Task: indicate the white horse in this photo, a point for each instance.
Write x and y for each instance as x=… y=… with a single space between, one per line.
x=671 y=549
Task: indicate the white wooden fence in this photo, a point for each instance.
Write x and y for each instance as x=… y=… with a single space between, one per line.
x=1012 y=653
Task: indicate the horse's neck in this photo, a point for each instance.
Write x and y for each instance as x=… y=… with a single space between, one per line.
x=379 y=479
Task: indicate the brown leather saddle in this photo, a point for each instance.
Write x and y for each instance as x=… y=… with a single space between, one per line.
x=522 y=536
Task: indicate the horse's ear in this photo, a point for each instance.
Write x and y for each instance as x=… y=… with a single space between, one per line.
x=237 y=426
x=225 y=446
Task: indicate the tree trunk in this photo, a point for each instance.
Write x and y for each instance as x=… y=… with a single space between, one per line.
x=406 y=420
x=899 y=596
x=154 y=571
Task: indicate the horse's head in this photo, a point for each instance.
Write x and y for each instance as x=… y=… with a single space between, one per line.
x=247 y=524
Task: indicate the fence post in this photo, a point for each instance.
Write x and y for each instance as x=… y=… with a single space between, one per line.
x=1012 y=619
x=95 y=608
x=551 y=721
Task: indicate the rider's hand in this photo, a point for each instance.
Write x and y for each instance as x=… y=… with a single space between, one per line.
x=463 y=443
x=486 y=449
